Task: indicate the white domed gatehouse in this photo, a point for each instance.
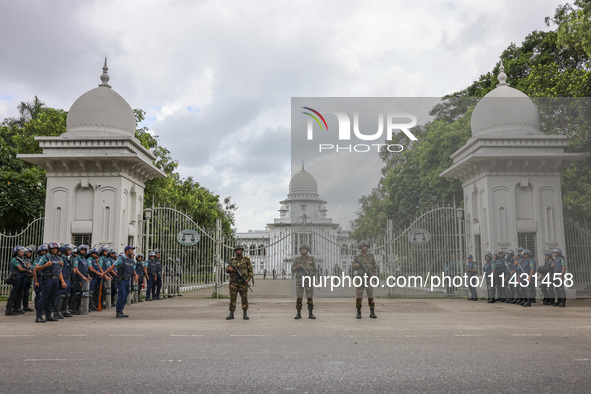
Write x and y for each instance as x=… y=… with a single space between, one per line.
x=96 y=172
x=510 y=173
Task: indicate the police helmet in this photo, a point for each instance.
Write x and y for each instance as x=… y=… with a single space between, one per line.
x=520 y=249
x=41 y=248
x=489 y=255
x=557 y=250
x=177 y=260
x=30 y=248
x=239 y=247
x=112 y=251
x=83 y=247
x=75 y=251
x=65 y=248
x=139 y=255
x=501 y=252
x=527 y=252
x=363 y=243
x=151 y=254
x=547 y=253
x=510 y=252
x=53 y=245
x=18 y=249
x=156 y=252
x=93 y=250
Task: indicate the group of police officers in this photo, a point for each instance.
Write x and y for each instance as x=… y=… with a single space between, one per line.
x=512 y=278
x=63 y=275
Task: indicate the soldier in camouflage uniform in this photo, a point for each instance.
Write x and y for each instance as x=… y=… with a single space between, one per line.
x=304 y=265
x=360 y=261
x=237 y=285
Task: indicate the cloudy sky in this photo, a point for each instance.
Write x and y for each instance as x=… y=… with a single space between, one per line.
x=216 y=78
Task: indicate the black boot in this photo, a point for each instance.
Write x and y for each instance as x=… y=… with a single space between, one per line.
x=526 y=303
x=562 y=303
x=310 y=314
x=298 y=315
x=230 y=316
x=358 y=316
x=244 y=315
x=40 y=320
x=372 y=314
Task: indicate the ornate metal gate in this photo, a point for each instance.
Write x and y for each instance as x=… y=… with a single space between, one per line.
x=578 y=256
x=31 y=235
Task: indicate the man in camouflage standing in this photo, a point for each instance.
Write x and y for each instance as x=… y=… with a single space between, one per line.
x=304 y=265
x=239 y=282
x=364 y=264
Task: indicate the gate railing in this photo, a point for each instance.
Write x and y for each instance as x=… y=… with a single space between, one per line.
x=578 y=255
x=32 y=235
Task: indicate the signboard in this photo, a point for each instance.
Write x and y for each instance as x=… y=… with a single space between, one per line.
x=188 y=237
x=419 y=236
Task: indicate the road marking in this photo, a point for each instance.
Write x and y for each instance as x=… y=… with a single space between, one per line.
x=48 y=359
x=185 y=335
x=582 y=359
x=253 y=335
x=170 y=361
x=71 y=335
x=17 y=335
x=126 y=335
x=469 y=335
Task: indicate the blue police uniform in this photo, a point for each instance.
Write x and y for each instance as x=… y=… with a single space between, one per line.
x=488 y=269
x=51 y=283
x=158 y=283
x=151 y=290
x=125 y=270
x=469 y=266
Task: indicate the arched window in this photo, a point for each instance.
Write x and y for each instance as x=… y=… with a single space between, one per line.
x=262 y=250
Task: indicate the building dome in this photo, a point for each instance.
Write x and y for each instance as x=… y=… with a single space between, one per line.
x=100 y=111
x=505 y=111
x=303 y=182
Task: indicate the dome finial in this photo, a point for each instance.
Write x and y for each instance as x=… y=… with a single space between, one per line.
x=302 y=165
x=502 y=76
x=105 y=76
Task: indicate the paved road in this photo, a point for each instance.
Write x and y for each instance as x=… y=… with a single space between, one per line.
x=186 y=345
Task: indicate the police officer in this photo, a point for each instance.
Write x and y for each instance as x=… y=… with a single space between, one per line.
x=304 y=265
x=19 y=271
x=511 y=264
x=499 y=275
x=50 y=267
x=364 y=265
x=96 y=275
x=63 y=294
x=112 y=257
x=151 y=276
x=158 y=280
x=168 y=278
x=37 y=281
x=237 y=285
x=26 y=292
x=488 y=271
x=546 y=273
x=140 y=270
x=559 y=266
x=125 y=267
x=471 y=270
x=80 y=274
x=528 y=266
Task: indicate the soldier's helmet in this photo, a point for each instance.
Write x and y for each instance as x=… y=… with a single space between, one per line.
x=304 y=246
x=510 y=252
x=41 y=248
x=18 y=249
x=557 y=250
x=53 y=245
x=139 y=255
x=239 y=247
x=151 y=254
x=363 y=243
x=548 y=253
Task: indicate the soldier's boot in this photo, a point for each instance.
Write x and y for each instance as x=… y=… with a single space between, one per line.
x=57 y=312
x=230 y=316
x=299 y=315
x=244 y=315
x=372 y=313
x=310 y=314
x=358 y=316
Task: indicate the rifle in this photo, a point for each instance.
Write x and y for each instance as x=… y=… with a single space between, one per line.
x=363 y=266
x=304 y=269
x=240 y=276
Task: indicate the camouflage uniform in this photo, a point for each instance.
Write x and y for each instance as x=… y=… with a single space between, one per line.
x=236 y=284
x=309 y=263
x=370 y=263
